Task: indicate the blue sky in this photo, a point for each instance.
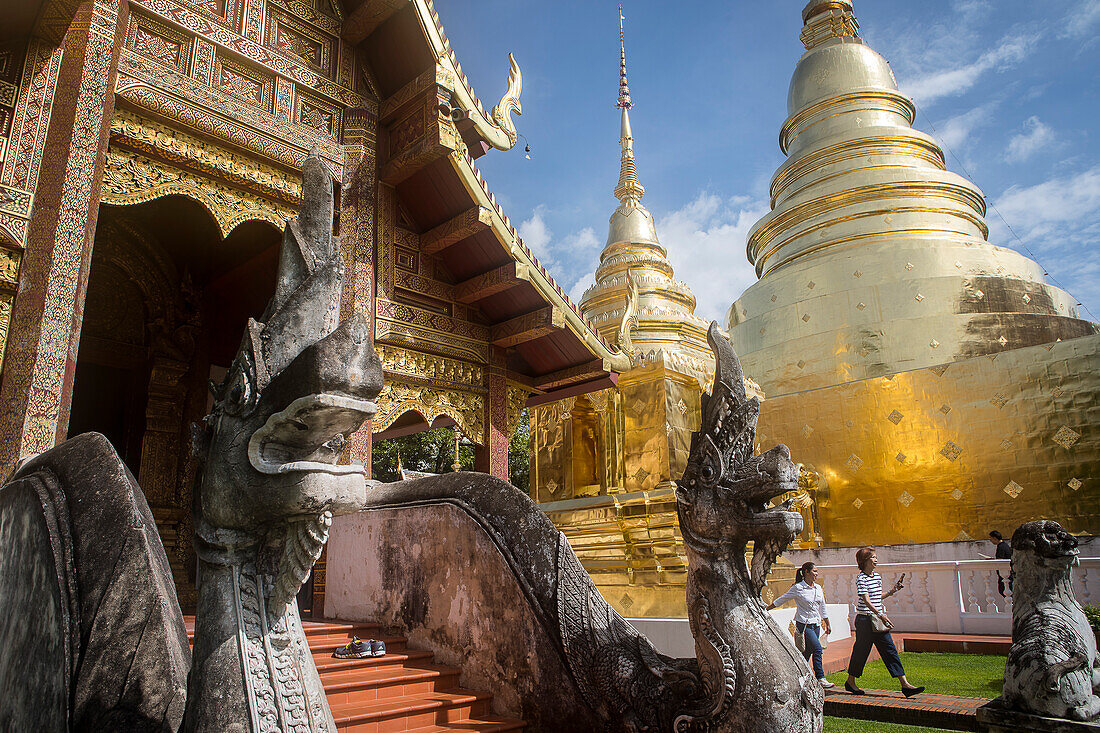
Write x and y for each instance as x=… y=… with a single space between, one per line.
x=1011 y=88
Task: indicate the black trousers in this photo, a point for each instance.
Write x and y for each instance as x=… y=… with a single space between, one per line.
x=865 y=638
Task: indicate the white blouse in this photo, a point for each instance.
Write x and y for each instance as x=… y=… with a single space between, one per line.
x=810 y=602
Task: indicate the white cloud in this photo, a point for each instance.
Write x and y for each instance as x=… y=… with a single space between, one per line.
x=956 y=131
x=1080 y=21
x=1034 y=138
x=706 y=240
x=581 y=243
x=580 y=286
x=536 y=235
x=1059 y=221
x=928 y=88
x=1066 y=199
x=563 y=257
x=973 y=7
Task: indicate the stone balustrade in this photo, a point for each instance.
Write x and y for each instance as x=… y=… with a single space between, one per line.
x=949 y=597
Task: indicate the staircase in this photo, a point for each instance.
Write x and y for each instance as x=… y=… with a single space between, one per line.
x=402 y=691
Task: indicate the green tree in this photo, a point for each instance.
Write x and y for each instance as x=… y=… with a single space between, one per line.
x=519 y=455
x=433 y=451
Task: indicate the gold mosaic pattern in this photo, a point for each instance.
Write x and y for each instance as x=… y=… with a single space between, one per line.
x=987 y=464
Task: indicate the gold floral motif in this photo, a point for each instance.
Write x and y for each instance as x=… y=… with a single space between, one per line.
x=5 y=322
x=9 y=265
x=429 y=366
x=1066 y=437
x=599 y=400
x=130 y=178
x=951 y=450
x=465 y=408
x=517 y=400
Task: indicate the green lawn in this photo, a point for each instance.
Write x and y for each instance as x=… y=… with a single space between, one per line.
x=848 y=725
x=967 y=675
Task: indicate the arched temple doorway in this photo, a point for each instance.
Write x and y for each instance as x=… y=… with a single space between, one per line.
x=167 y=301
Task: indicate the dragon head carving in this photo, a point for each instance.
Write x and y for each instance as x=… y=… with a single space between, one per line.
x=301 y=383
x=723 y=496
x=509 y=103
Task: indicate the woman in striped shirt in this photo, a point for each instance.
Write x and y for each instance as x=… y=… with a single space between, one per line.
x=869 y=591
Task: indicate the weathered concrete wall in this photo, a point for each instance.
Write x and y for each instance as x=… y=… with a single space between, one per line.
x=432 y=573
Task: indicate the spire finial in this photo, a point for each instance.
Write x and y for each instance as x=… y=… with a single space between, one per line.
x=624 y=91
x=629 y=191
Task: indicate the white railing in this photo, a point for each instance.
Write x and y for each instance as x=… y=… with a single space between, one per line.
x=949 y=597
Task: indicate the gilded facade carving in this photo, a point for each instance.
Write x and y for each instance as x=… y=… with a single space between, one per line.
x=287 y=33
x=140 y=82
x=159 y=42
x=28 y=131
x=282 y=61
x=130 y=178
x=465 y=408
x=430 y=366
x=159 y=139
x=308 y=13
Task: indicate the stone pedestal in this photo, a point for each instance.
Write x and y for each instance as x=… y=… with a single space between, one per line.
x=994 y=718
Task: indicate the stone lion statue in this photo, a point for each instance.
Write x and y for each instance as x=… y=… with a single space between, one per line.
x=1052 y=668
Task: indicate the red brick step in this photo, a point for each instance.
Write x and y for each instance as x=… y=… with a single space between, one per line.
x=887 y=706
x=401 y=691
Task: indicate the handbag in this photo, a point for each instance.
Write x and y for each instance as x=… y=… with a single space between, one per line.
x=878 y=625
x=823 y=639
x=799 y=638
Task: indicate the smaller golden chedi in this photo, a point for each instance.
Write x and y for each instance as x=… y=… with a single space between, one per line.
x=604 y=464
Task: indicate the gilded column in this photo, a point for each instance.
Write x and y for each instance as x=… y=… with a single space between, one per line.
x=41 y=354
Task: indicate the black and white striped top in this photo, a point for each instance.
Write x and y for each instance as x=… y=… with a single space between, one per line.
x=872 y=586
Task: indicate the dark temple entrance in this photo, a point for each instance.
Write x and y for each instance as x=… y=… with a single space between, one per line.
x=167 y=301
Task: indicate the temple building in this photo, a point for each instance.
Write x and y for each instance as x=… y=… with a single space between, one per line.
x=150 y=155
x=933 y=384
x=603 y=465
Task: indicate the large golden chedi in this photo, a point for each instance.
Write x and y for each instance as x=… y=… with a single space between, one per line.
x=934 y=382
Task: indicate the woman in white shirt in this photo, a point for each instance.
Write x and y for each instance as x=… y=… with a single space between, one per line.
x=810 y=614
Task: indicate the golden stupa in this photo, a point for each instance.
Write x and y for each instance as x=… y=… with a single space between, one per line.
x=933 y=384
x=603 y=464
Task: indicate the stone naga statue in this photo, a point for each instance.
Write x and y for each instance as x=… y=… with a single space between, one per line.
x=301 y=383
x=747 y=677
x=747 y=663
x=1052 y=668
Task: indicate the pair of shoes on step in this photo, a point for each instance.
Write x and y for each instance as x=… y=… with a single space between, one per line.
x=825 y=683
x=359 y=649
